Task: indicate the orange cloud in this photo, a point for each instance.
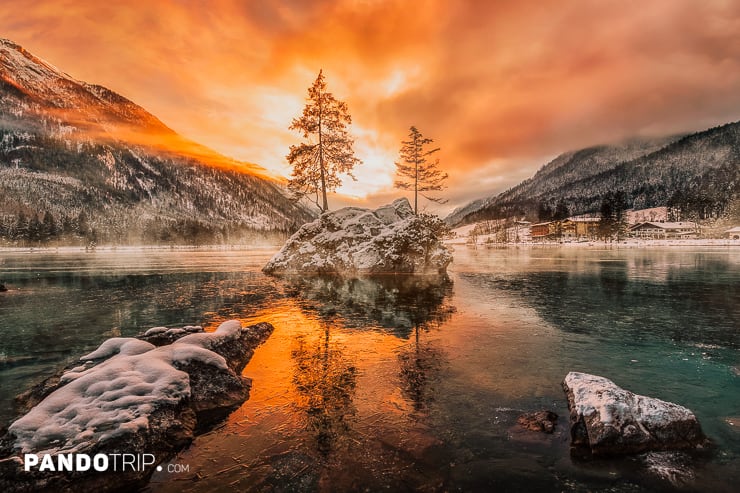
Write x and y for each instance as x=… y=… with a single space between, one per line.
x=501 y=86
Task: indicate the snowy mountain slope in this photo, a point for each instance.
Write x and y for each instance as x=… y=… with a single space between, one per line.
x=44 y=87
x=700 y=171
x=81 y=153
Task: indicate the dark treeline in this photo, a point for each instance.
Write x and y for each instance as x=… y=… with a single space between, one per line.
x=48 y=230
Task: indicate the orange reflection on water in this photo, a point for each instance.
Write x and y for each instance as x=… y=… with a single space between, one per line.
x=329 y=406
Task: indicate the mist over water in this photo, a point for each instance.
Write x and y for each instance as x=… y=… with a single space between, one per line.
x=408 y=384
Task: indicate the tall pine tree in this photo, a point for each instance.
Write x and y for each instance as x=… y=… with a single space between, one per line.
x=417 y=170
x=327 y=151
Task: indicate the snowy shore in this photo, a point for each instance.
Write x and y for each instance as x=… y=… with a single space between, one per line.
x=138 y=248
x=596 y=245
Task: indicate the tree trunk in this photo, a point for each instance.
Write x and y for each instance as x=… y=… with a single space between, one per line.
x=325 y=206
x=416 y=177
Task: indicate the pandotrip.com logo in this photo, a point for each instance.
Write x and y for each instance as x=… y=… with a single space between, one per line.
x=85 y=462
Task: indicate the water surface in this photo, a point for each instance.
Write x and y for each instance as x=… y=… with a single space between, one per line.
x=406 y=384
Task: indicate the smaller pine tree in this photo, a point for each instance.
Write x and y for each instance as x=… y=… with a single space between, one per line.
x=417 y=170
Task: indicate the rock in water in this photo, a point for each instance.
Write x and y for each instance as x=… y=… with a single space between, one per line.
x=608 y=420
x=130 y=397
x=350 y=241
x=538 y=421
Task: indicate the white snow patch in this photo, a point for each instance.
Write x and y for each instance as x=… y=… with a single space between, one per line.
x=119 y=345
x=230 y=328
x=155 y=330
x=118 y=395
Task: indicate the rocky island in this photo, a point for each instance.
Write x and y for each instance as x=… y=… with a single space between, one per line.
x=353 y=241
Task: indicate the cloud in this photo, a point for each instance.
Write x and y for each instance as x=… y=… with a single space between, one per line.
x=497 y=85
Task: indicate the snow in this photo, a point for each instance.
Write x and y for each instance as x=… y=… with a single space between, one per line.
x=229 y=328
x=62 y=111
x=119 y=345
x=353 y=240
x=598 y=395
x=118 y=395
x=164 y=331
x=618 y=421
x=156 y=330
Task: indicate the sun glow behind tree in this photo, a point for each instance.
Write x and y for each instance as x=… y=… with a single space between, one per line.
x=327 y=151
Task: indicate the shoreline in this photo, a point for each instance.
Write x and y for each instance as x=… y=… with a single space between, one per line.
x=137 y=248
x=600 y=245
x=456 y=242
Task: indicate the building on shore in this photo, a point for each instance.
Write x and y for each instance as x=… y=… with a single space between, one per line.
x=665 y=230
x=585 y=227
x=573 y=228
x=540 y=231
x=733 y=233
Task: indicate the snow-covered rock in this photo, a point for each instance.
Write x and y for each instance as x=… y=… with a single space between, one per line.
x=159 y=336
x=609 y=420
x=130 y=396
x=349 y=241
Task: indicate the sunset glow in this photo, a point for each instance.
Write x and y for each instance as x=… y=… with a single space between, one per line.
x=502 y=87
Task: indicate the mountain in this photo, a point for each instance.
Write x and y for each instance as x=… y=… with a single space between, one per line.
x=698 y=175
x=79 y=162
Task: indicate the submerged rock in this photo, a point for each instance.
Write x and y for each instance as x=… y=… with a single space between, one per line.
x=538 y=421
x=608 y=420
x=390 y=239
x=130 y=397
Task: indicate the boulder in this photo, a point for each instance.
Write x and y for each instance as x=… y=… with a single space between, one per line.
x=351 y=241
x=158 y=336
x=130 y=397
x=608 y=420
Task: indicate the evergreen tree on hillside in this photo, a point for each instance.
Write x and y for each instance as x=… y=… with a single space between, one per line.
x=544 y=213
x=327 y=151
x=20 y=229
x=561 y=211
x=48 y=227
x=417 y=170
x=613 y=222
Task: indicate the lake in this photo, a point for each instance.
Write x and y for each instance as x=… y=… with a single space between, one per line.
x=406 y=384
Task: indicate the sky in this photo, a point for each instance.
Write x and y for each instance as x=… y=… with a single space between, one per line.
x=501 y=86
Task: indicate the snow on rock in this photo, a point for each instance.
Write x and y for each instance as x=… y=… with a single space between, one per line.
x=352 y=240
x=156 y=330
x=119 y=345
x=609 y=420
x=159 y=336
x=101 y=402
x=132 y=396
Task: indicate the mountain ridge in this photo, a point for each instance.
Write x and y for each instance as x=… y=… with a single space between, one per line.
x=108 y=163
x=698 y=174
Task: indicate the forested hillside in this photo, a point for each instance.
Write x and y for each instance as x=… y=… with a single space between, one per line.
x=81 y=164
x=697 y=175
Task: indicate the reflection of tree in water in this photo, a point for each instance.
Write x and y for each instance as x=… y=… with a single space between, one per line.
x=421 y=363
x=325 y=380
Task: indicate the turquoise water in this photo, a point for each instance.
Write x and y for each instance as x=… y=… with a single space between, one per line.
x=406 y=385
